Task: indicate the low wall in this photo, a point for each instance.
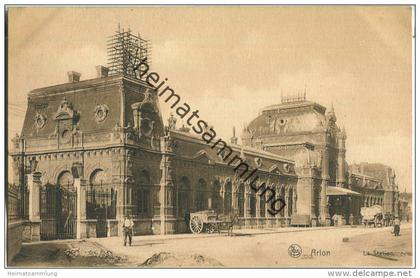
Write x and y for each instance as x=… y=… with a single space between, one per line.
x=14 y=238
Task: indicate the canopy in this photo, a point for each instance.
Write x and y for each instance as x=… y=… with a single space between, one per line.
x=339 y=191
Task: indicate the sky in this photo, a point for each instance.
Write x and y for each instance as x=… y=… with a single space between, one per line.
x=231 y=61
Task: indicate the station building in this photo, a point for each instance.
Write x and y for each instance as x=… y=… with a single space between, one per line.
x=92 y=151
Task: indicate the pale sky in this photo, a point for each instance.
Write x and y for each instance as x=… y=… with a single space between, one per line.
x=229 y=62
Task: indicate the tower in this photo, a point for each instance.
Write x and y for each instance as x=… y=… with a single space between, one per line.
x=341 y=160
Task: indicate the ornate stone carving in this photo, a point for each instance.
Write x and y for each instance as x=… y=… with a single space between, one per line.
x=65 y=110
x=172 y=122
x=16 y=141
x=40 y=120
x=258 y=161
x=101 y=112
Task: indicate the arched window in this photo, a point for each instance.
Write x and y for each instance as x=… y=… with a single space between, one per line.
x=290 y=203
x=253 y=203
x=65 y=179
x=228 y=198
x=101 y=197
x=283 y=197
x=201 y=195
x=142 y=196
x=216 y=199
x=184 y=197
x=262 y=201
x=241 y=199
x=316 y=200
x=97 y=178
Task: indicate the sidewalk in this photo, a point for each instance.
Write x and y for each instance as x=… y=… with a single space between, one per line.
x=236 y=232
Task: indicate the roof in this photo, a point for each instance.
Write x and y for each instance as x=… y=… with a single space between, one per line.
x=340 y=191
x=238 y=148
x=296 y=104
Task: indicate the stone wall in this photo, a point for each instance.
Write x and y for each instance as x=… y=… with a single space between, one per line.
x=14 y=239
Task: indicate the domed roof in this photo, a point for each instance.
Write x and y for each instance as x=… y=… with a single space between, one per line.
x=288 y=118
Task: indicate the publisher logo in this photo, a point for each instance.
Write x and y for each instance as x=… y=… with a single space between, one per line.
x=295 y=250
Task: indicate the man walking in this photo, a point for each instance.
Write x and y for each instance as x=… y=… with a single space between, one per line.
x=396 y=227
x=128 y=225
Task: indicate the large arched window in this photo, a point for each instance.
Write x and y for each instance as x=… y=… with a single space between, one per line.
x=290 y=202
x=142 y=196
x=253 y=203
x=201 y=195
x=101 y=197
x=97 y=178
x=65 y=180
x=262 y=202
x=283 y=197
x=184 y=197
x=316 y=200
x=241 y=198
x=216 y=199
x=228 y=197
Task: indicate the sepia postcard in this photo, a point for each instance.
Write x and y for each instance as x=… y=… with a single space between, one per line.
x=237 y=136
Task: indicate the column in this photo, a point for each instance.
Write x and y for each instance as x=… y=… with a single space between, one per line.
x=84 y=228
x=247 y=206
x=235 y=194
x=279 y=219
x=34 y=184
x=222 y=194
x=167 y=217
x=325 y=179
x=258 y=209
x=286 y=208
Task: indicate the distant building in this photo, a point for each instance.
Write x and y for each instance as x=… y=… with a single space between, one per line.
x=406 y=209
x=308 y=134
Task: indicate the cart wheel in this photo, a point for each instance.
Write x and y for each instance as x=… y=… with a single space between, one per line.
x=211 y=229
x=196 y=225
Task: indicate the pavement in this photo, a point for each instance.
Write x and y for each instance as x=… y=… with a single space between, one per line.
x=347 y=246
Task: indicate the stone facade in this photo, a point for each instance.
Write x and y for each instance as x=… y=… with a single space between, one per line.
x=308 y=134
x=102 y=145
x=107 y=135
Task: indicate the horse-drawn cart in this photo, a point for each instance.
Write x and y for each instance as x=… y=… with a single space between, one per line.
x=372 y=216
x=210 y=221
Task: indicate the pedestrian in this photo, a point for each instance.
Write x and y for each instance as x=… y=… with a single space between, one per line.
x=128 y=225
x=335 y=219
x=396 y=226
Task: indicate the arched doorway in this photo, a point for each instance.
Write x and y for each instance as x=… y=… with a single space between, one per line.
x=142 y=195
x=228 y=198
x=241 y=198
x=283 y=197
x=216 y=199
x=101 y=199
x=290 y=203
x=253 y=203
x=58 y=208
x=201 y=201
x=262 y=202
x=184 y=197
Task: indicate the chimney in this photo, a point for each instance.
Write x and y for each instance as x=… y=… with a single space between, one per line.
x=102 y=71
x=73 y=76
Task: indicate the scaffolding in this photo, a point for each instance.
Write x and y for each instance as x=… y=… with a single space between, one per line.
x=126 y=52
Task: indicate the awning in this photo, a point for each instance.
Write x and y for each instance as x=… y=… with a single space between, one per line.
x=339 y=191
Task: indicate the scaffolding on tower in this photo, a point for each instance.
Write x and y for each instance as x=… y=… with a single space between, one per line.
x=126 y=51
